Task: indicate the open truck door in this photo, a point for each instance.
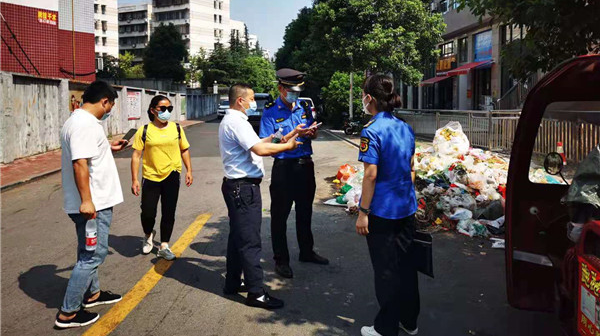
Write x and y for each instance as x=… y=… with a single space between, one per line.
x=562 y=109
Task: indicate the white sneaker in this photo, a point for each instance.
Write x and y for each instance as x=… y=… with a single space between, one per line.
x=369 y=331
x=410 y=332
x=148 y=243
x=166 y=254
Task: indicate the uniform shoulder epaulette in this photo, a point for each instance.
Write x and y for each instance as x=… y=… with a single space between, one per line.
x=369 y=123
x=304 y=103
x=269 y=105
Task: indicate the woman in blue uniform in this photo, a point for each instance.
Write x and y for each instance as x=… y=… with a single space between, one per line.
x=387 y=209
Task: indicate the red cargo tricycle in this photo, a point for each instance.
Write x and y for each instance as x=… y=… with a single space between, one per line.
x=545 y=271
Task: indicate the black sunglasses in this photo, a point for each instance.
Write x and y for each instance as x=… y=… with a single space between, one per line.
x=164 y=108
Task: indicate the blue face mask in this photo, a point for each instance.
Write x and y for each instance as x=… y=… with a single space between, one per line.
x=291 y=97
x=252 y=108
x=164 y=116
x=106 y=114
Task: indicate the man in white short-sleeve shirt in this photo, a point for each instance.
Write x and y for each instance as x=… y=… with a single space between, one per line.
x=241 y=152
x=91 y=189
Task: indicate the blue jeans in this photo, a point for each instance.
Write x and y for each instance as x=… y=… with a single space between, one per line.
x=84 y=278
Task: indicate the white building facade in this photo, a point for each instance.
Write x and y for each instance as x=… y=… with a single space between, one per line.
x=135 y=27
x=106 y=28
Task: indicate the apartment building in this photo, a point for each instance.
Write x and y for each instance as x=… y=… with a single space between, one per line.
x=202 y=23
x=106 y=28
x=135 y=27
x=468 y=74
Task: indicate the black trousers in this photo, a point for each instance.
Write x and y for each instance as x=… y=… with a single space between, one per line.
x=292 y=181
x=396 y=281
x=167 y=191
x=244 y=205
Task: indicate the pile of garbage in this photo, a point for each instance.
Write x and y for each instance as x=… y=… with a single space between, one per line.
x=458 y=187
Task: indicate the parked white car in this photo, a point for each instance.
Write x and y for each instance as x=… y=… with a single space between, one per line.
x=222 y=108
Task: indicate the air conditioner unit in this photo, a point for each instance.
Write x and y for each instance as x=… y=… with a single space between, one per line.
x=99 y=63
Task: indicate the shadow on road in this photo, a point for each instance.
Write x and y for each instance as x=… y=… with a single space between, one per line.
x=127 y=246
x=44 y=284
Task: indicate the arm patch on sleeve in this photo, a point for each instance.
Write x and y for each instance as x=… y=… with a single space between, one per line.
x=364 y=144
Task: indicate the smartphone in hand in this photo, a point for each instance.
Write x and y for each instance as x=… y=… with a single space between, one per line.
x=316 y=126
x=129 y=134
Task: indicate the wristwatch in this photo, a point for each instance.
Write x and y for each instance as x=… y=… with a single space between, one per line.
x=365 y=211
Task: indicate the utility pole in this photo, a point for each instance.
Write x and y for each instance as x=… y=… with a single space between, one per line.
x=351 y=95
x=73 y=33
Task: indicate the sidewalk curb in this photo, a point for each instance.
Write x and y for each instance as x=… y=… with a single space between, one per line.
x=341 y=138
x=54 y=171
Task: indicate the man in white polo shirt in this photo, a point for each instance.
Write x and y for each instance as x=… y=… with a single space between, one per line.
x=91 y=188
x=241 y=151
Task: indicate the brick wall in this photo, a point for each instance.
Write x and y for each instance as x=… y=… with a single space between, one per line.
x=48 y=47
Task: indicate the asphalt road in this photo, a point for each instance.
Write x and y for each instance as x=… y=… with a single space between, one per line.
x=38 y=251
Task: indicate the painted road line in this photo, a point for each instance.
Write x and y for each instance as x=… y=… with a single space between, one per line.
x=346 y=141
x=119 y=311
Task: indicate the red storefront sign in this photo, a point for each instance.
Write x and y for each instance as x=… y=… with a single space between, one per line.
x=588 y=315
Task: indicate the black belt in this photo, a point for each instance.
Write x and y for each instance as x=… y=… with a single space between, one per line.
x=301 y=160
x=247 y=180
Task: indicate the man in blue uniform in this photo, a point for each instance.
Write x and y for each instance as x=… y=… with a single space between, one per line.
x=293 y=175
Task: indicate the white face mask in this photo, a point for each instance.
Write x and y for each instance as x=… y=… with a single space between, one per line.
x=365 y=106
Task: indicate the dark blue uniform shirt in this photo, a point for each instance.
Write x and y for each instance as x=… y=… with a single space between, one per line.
x=278 y=116
x=389 y=143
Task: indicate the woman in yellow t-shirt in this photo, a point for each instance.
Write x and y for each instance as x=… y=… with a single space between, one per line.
x=164 y=145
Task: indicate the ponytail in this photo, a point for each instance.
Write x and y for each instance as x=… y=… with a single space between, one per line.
x=381 y=87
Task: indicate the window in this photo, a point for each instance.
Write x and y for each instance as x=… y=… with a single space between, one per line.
x=215 y=18
x=463 y=50
x=95 y=8
x=96 y=25
x=103 y=9
x=215 y=4
x=104 y=41
x=447 y=49
x=220 y=19
x=216 y=33
x=220 y=4
x=104 y=26
x=454 y=4
x=444 y=6
x=97 y=40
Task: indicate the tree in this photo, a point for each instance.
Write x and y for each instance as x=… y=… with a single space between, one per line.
x=165 y=53
x=397 y=36
x=259 y=73
x=335 y=97
x=258 y=51
x=246 y=38
x=556 y=30
x=110 y=68
x=197 y=66
x=127 y=69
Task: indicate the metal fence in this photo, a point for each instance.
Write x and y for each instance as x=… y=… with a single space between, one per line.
x=199 y=104
x=495 y=130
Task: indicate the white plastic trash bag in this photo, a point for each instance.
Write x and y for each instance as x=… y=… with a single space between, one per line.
x=450 y=140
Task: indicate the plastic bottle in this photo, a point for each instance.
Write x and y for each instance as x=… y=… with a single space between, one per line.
x=91 y=235
x=278 y=136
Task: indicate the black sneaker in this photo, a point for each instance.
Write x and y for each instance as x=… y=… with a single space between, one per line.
x=82 y=318
x=104 y=298
x=241 y=289
x=315 y=259
x=264 y=301
x=284 y=271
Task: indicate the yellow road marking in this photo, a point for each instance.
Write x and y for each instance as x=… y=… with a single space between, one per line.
x=119 y=311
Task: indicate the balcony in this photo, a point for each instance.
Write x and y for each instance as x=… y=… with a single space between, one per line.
x=175 y=22
x=134 y=46
x=133 y=33
x=132 y=21
x=170 y=8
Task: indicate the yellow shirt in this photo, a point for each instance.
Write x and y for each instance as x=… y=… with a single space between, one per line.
x=162 y=151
